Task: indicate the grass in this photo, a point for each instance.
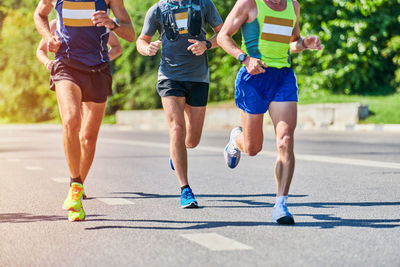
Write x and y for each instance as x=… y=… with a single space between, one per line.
x=382 y=109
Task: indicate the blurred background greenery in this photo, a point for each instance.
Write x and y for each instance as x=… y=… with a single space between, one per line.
x=360 y=61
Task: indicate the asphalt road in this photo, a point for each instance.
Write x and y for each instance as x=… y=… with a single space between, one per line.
x=345 y=198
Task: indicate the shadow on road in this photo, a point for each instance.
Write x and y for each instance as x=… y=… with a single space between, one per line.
x=323 y=221
x=26 y=217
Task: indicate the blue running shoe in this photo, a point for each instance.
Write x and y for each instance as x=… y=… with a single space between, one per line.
x=187 y=199
x=281 y=214
x=171 y=164
x=231 y=152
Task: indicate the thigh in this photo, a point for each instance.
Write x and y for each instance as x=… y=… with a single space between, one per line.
x=69 y=98
x=174 y=109
x=194 y=120
x=92 y=116
x=284 y=117
x=252 y=126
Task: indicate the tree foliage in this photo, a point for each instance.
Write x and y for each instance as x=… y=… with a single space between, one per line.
x=361 y=41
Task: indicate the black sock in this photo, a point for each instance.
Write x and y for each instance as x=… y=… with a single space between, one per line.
x=75 y=180
x=185 y=186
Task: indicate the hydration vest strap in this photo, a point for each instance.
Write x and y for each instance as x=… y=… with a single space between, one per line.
x=168 y=19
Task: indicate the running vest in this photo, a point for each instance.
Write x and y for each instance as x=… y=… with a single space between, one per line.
x=176 y=22
x=268 y=36
x=80 y=39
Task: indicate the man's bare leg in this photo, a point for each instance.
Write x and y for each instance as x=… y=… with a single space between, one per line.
x=92 y=116
x=284 y=118
x=174 y=111
x=69 y=102
x=194 y=118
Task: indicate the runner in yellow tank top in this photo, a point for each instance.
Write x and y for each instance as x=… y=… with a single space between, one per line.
x=271 y=31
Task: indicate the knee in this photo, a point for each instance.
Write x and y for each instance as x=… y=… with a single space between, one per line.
x=253 y=149
x=72 y=124
x=88 y=141
x=192 y=142
x=177 y=130
x=285 y=145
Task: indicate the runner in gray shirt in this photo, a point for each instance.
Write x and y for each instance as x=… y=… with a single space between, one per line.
x=183 y=77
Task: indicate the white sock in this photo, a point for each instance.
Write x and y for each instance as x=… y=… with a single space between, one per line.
x=282 y=200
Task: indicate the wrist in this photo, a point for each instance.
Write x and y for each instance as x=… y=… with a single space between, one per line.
x=208 y=44
x=303 y=44
x=242 y=58
x=116 y=24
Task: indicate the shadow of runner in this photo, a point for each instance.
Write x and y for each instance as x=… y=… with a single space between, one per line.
x=28 y=218
x=324 y=221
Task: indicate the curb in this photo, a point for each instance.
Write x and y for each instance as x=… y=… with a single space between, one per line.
x=227 y=118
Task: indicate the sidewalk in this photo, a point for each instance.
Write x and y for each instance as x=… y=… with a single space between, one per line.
x=335 y=117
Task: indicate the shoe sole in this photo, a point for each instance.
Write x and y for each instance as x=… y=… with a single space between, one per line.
x=286 y=220
x=234 y=161
x=190 y=206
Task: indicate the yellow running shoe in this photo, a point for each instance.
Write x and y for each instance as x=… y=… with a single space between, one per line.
x=73 y=201
x=76 y=216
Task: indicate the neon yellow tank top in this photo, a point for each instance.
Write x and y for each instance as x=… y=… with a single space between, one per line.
x=268 y=36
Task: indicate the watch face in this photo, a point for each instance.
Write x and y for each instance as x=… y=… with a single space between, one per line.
x=242 y=57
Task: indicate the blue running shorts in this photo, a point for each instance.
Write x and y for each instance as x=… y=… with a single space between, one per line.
x=254 y=93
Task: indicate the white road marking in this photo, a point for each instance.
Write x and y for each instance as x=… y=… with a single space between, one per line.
x=60 y=180
x=13 y=160
x=315 y=158
x=216 y=242
x=115 y=201
x=33 y=168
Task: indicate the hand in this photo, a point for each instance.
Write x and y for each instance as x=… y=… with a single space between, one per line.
x=101 y=19
x=313 y=42
x=198 y=47
x=53 y=44
x=254 y=66
x=49 y=64
x=153 y=48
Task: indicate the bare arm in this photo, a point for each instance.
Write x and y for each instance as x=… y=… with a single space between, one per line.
x=42 y=51
x=125 y=30
x=115 y=47
x=146 y=47
x=199 y=47
x=42 y=24
x=236 y=18
x=298 y=44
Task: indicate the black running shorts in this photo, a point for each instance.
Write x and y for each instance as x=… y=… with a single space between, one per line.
x=196 y=93
x=95 y=86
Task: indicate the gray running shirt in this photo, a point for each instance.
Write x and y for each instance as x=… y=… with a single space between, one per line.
x=177 y=63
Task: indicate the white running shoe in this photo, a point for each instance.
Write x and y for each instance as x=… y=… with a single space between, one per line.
x=281 y=214
x=232 y=152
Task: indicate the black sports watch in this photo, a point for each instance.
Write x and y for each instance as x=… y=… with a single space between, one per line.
x=208 y=44
x=116 y=22
x=242 y=57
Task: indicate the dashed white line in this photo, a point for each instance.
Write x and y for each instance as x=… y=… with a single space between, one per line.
x=115 y=201
x=216 y=242
x=13 y=160
x=33 y=168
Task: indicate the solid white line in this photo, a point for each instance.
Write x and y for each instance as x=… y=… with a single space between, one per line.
x=115 y=201
x=60 y=180
x=33 y=168
x=216 y=242
x=315 y=158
